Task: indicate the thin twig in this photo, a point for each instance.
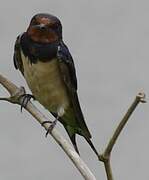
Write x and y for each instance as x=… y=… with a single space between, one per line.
x=139 y=98
x=15 y=97
x=105 y=157
x=108 y=169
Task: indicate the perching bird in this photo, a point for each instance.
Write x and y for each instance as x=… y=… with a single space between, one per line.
x=47 y=65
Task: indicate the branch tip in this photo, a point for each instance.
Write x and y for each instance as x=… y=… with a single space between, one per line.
x=141 y=97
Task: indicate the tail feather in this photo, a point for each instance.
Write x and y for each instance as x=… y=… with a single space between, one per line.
x=73 y=140
x=72 y=135
x=91 y=145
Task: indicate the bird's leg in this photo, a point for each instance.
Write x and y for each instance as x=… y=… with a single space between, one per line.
x=26 y=98
x=52 y=125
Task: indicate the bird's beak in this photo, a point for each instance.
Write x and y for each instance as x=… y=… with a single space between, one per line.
x=40 y=26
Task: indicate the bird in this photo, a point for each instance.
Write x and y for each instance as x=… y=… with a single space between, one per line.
x=48 y=68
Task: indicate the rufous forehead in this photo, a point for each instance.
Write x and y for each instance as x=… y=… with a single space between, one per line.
x=44 y=20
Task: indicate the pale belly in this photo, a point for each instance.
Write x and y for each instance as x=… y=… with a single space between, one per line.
x=46 y=84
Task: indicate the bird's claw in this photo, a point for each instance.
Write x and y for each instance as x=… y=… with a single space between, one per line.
x=45 y=122
x=25 y=99
x=50 y=128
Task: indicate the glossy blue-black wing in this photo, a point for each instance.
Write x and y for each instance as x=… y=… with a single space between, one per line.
x=65 y=58
x=68 y=72
x=17 y=55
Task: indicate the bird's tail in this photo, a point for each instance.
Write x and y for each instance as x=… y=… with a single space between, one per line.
x=73 y=140
x=92 y=146
x=73 y=130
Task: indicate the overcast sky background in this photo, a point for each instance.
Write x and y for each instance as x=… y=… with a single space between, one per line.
x=109 y=41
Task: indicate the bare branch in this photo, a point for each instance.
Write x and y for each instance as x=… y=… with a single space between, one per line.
x=15 y=97
x=105 y=157
x=108 y=169
x=139 y=98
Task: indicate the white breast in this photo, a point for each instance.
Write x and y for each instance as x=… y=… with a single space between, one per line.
x=46 y=84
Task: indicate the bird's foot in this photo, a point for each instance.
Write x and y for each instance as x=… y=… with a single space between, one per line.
x=52 y=125
x=26 y=98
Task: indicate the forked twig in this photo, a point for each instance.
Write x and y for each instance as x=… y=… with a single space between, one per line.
x=105 y=157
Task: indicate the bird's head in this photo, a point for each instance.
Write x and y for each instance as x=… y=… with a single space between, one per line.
x=45 y=28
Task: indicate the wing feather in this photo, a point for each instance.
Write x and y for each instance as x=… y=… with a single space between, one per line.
x=17 y=55
x=68 y=72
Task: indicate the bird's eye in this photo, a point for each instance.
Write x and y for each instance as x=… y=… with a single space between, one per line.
x=33 y=21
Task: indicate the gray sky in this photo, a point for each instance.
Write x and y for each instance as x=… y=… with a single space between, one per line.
x=109 y=42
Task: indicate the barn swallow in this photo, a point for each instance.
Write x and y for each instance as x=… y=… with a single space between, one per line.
x=48 y=68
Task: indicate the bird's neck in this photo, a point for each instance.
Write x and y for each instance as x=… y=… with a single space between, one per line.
x=38 y=51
